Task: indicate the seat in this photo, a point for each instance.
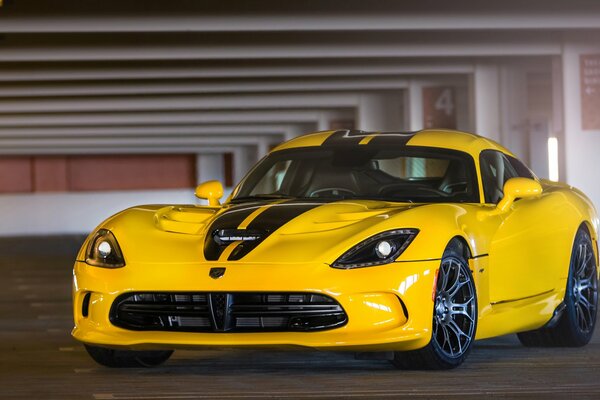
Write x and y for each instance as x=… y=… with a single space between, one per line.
x=455 y=178
x=335 y=178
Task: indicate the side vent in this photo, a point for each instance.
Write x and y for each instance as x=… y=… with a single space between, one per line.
x=85 y=306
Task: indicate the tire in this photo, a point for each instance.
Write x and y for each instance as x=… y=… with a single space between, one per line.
x=127 y=358
x=575 y=326
x=454 y=318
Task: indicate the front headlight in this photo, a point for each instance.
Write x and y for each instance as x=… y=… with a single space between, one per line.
x=382 y=248
x=104 y=251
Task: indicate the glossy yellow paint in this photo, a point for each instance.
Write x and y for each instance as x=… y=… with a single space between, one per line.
x=519 y=259
x=211 y=191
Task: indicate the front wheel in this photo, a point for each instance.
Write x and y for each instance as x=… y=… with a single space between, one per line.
x=454 y=319
x=576 y=324
x=127 y=358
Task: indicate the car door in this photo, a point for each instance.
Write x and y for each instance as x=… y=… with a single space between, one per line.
x=519 y=250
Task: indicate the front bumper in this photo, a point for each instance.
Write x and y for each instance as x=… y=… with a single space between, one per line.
x=389 y=307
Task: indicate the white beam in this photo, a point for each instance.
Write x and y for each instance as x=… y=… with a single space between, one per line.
x=174 y=103
x=156 y=142
x=178 y=87
x=48 y=72
x=145 y=131
x=442 y=48
x=170 y=119
x=392 y=21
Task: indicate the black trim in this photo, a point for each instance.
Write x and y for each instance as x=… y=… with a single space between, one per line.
x=218 y=312
x=85 y=306
x=435 y=259
x=343 y=151
x=354 y=137
x=481 y=255
x=522 y=298
x=556 y=316
x=345 y=138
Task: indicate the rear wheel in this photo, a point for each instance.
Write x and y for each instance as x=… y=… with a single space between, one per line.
x=454 y=318
x=127 y=358
x=578 y=320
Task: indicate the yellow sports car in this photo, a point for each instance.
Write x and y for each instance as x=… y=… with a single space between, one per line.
x=408 y=245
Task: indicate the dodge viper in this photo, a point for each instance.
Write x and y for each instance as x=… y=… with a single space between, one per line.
x=407 y=245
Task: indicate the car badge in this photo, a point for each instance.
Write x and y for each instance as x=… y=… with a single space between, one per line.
x=224 y=237
x=216 y=273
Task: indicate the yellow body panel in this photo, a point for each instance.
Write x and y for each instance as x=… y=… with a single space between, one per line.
x=519 y=261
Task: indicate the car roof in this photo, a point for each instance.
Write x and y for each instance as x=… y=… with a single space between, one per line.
x=440 y=138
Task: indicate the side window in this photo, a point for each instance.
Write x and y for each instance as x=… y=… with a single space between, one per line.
x=522 y=170
x=495 y=171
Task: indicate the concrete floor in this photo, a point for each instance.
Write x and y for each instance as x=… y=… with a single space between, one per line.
x=39 y=360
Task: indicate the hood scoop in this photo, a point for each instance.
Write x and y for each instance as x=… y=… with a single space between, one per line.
x=183 y=219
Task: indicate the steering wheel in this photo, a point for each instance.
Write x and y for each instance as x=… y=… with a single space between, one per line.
x=454 y=187
x=335 y=191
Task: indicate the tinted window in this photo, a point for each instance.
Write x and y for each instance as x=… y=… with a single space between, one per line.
x=410 y=174
x=521 y=169
x=495 y=171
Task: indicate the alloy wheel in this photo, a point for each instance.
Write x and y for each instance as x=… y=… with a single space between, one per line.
x=585 y=288
x=454 y=316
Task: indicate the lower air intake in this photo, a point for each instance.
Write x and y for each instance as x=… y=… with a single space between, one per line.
x=227 y=312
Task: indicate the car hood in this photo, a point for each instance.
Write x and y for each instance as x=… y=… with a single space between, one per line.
x=286 y=231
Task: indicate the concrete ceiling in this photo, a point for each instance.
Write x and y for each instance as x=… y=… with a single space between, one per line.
x=97 y=76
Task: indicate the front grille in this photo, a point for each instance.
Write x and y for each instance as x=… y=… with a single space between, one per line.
x=227 y=312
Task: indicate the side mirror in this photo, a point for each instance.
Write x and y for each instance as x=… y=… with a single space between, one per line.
x=518 y=188
x=211 y=191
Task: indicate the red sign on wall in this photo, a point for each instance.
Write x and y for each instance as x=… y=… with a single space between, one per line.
x=439 y=107
x=589 y=66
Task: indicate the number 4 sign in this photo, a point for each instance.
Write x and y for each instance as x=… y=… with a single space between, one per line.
x=439 y=107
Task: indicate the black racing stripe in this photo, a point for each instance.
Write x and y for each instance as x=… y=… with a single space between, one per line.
x=230 y=218
x=269 y=221
x=345 y=138
x=391 y=139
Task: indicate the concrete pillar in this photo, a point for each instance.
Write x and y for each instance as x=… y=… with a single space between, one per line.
x=323 y=123
x=414 y=106
x=262 y=148
x=513 y=104
x=244 y=157
x=485 y=101
x=292 y=131
x=381 y=112
x=210 y=167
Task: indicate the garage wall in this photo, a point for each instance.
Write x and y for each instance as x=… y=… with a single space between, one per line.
x=581 y=146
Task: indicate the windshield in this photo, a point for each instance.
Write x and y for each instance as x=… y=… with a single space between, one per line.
x=409 y=174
